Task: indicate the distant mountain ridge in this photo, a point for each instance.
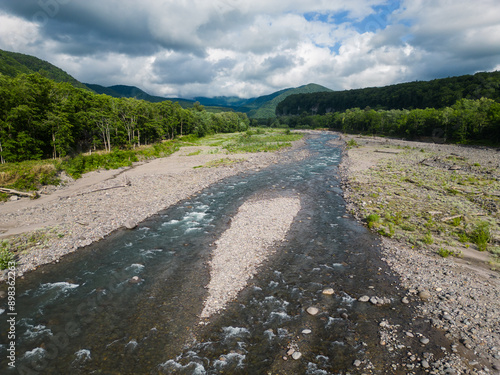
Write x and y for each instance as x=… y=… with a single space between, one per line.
x=262 y=106
x=13 y=63
x=123 y=91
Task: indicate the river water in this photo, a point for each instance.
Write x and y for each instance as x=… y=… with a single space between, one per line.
x=84 y=316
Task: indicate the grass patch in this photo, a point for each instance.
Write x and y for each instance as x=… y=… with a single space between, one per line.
x=29 y=175
x=6 y=256
x=220 y=163
x=268 y=141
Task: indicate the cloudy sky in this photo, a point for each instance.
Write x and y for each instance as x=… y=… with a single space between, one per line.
x=248 y=48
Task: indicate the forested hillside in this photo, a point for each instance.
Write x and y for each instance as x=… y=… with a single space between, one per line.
x=12 y=64
x=41 y=118
x=438 y=93
x=265 y=106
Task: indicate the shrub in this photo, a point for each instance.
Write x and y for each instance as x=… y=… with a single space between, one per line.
x=5 y=255
x=445 y=253
x=481 y=235
x=372 y=219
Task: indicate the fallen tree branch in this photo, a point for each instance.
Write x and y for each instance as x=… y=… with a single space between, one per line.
x=19 y=193
x=108 y=188
x=450 y=218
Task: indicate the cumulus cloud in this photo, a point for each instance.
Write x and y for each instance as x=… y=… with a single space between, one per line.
x=236 y=47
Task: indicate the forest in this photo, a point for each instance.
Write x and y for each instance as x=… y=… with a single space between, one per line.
x=41 y=118
x=466 y=121
x=438 y=93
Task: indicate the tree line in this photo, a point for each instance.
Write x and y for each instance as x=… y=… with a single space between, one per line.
x=438 y=93
x=476 y=121
x=41 y=118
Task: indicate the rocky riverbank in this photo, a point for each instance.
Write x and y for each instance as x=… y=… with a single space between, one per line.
x=459 y=295
x=87 y=210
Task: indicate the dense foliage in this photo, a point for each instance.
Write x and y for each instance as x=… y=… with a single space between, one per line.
x=465 y=121
x=438 y=93
x=41 y=118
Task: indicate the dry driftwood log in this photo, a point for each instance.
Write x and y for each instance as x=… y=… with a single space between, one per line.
x=18 y=193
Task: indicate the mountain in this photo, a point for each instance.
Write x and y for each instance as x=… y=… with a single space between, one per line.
x=437 y=93
x=262 y=106
x=12 y=64
x=123 y=91
x=265 y=106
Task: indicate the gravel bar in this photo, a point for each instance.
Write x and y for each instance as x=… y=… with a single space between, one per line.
x=245 y=245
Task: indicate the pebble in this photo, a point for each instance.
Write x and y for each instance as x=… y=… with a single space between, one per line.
x=135 y=280
x=425 y=364
x=306 y=331
x=424 y=295
x=312 y=310
x=357 y=363
x=296 y=355
x=424 y=340
x=364 y=299
x=328 y=291
x=405 y=300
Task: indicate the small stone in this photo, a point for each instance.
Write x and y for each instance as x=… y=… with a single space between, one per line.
x=129 y=224
x=425 y=364
x=424 y=295
x=383 y=323
x=306 y=331
x=328 y=291
x=424 y=340
x=14 y=198
x=3 y=294
x=409 y=334
x=357 y=363
x=135 y=280
x=296 y=355
x=364 y=299
x=290 y=351
x=312 y=310
x=405 y=300
x=374 y=300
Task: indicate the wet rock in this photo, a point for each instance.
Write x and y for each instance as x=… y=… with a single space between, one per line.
x=129 y=224
x=364 y=299
x=328 y=291
x=357 y=363
x=312 y=310
x=135 y=280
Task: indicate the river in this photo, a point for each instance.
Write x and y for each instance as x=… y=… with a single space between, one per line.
x=85 y=316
